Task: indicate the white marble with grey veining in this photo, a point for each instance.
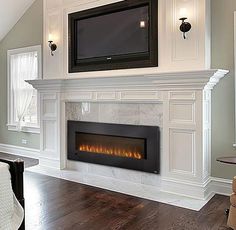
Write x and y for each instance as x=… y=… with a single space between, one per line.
x=118 y=113
x=117 y=179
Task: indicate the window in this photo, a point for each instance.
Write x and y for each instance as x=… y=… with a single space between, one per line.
x=23 y=64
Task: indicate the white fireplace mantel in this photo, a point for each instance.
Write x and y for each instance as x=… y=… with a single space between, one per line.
x=186 y=130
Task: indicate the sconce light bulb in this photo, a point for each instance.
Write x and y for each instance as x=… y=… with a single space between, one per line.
x=183 y=13
x=50 y=37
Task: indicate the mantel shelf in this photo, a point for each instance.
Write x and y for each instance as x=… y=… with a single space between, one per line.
x=160 y=81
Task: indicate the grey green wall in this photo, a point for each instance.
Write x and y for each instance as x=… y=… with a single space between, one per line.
x=27 y=32
x=223 y=94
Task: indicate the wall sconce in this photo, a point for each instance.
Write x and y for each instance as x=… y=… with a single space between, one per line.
x=51 y=45
x=185 y=26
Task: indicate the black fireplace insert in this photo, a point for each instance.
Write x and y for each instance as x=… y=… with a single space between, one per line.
x=124 y=146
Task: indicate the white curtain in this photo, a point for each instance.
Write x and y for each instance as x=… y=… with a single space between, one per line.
x=24 y=66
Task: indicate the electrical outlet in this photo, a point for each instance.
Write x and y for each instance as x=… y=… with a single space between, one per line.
x=24 y=141
x=85 y=107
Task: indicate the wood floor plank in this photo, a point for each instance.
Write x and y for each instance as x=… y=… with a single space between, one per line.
x=54 y=204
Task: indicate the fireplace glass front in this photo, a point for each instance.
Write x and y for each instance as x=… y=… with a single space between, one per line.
x=111 y=145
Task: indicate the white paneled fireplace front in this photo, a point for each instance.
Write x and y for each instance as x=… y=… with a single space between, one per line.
x=179 y=103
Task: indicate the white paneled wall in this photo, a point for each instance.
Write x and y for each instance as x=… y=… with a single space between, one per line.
x=174 y=52
x=50 y=129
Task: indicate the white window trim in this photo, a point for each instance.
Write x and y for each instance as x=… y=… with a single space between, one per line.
x=11 y=125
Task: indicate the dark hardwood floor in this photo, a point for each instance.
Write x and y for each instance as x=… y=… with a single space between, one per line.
x=56 y=204
x=53 y=203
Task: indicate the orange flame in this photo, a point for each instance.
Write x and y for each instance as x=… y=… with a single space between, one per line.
x=110 y=151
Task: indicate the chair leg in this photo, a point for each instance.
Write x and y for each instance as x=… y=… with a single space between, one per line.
x=227 y=211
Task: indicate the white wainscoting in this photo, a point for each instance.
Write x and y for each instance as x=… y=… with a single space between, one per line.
x=19 y=151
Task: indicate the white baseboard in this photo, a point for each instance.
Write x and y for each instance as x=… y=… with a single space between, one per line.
x=19 y=151
x=221 y=186
x=188 y=189
x=50 y=162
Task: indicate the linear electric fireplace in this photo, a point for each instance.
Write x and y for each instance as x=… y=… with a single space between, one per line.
x=124 y=146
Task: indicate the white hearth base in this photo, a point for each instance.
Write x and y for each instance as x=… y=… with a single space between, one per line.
x=129 y=188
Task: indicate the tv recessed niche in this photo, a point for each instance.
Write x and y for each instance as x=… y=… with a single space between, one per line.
x=121 y=35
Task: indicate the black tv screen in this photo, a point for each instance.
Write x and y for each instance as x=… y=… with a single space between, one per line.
x=116 y=36
x=119 y=33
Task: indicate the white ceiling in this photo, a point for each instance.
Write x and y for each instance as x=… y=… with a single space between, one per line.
x=10 y=12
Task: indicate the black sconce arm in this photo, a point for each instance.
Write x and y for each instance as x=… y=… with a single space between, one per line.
x=185 y=26
x=52 y=47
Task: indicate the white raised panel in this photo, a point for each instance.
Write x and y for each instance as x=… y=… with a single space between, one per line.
x=49 y=108
x=193 y=52
x=80 y=96
x=54 y=25
x=139 y=95
x=183 y=95
x=114 y=96
x=106 y=96
x=49 y=136
x=182 y=151
x=182 y=112
x=179 y=50
x=49 y=96
x=53 y=65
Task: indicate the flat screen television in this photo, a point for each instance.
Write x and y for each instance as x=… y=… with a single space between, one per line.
x=117 y=36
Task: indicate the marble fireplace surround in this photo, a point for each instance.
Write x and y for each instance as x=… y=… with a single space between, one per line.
x=178 y=102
